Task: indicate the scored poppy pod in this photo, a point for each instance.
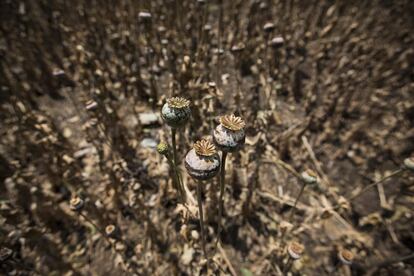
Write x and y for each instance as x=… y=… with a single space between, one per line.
x=229 y=135
x=202 y=161
x=176 y=112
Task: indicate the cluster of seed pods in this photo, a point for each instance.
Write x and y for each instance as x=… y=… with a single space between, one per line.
x=203 y=161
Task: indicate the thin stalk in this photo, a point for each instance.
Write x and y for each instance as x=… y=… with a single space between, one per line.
x=292 y=211
x=222 y=185
x=396 y=172
x=288 y=265
x=220 y=26
x=97 y=228
x=179 y=184
x=200 y=35
x=200 y=210
x=173 y=133
x=391 y=261
x=177 y=180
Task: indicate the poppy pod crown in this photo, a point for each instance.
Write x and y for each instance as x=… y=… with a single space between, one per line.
x=202 y=161
x=229 y=135
x=76 y=203
x=310 y=177
x=176 y=111
x=295 y=250
x=345 y=256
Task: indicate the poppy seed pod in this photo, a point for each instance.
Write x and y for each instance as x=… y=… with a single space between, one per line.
x=229 y=135
x=5 y=253
x=310 y=177
x=202 y=162
x=144 y=16
x=409 y=163
x=238 y=47
x=111 y=230
x=268 y=27
x=277 y=42
x=295 y=250
x=176 y=111
x=345 y=256
x=76 y=203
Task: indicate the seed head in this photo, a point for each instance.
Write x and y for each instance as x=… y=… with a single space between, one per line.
x=212 y=85
x=238 y=47
x=295 y=250
x=202 y=162
x=345 y=256
x=268 y=27
x=207 y=27
x=176 y=111
x=110 y=230
x=76 y=203
x=163 y=148
x=232 y=122
x=277 y=41
x=409 y=163
x=178 y=102
x=5 y=253
x=229 y=135
x=204 y=148
x=310 y=177
x=161 y=29
x=144 y=16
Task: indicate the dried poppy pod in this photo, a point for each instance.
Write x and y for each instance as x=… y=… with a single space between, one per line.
x=268 y=27
x=238 y=47
x=229 y=135
x=176 y=112
x=409 y=163
x=111 y=230
x=310 y=177
x=202 y=162
x=345 y=256
x=76 y=203
x=295 y=250
x=5 y=254
x=144 y=16
x=277 y=42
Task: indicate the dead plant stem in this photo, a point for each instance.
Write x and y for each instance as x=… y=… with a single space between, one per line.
x=293 y=209
x=200 y=210
x=222 y=186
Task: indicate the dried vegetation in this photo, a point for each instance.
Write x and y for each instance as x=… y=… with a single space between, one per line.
x=321 y=85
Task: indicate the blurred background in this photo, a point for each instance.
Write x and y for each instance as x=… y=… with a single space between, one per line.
x=325 y=85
